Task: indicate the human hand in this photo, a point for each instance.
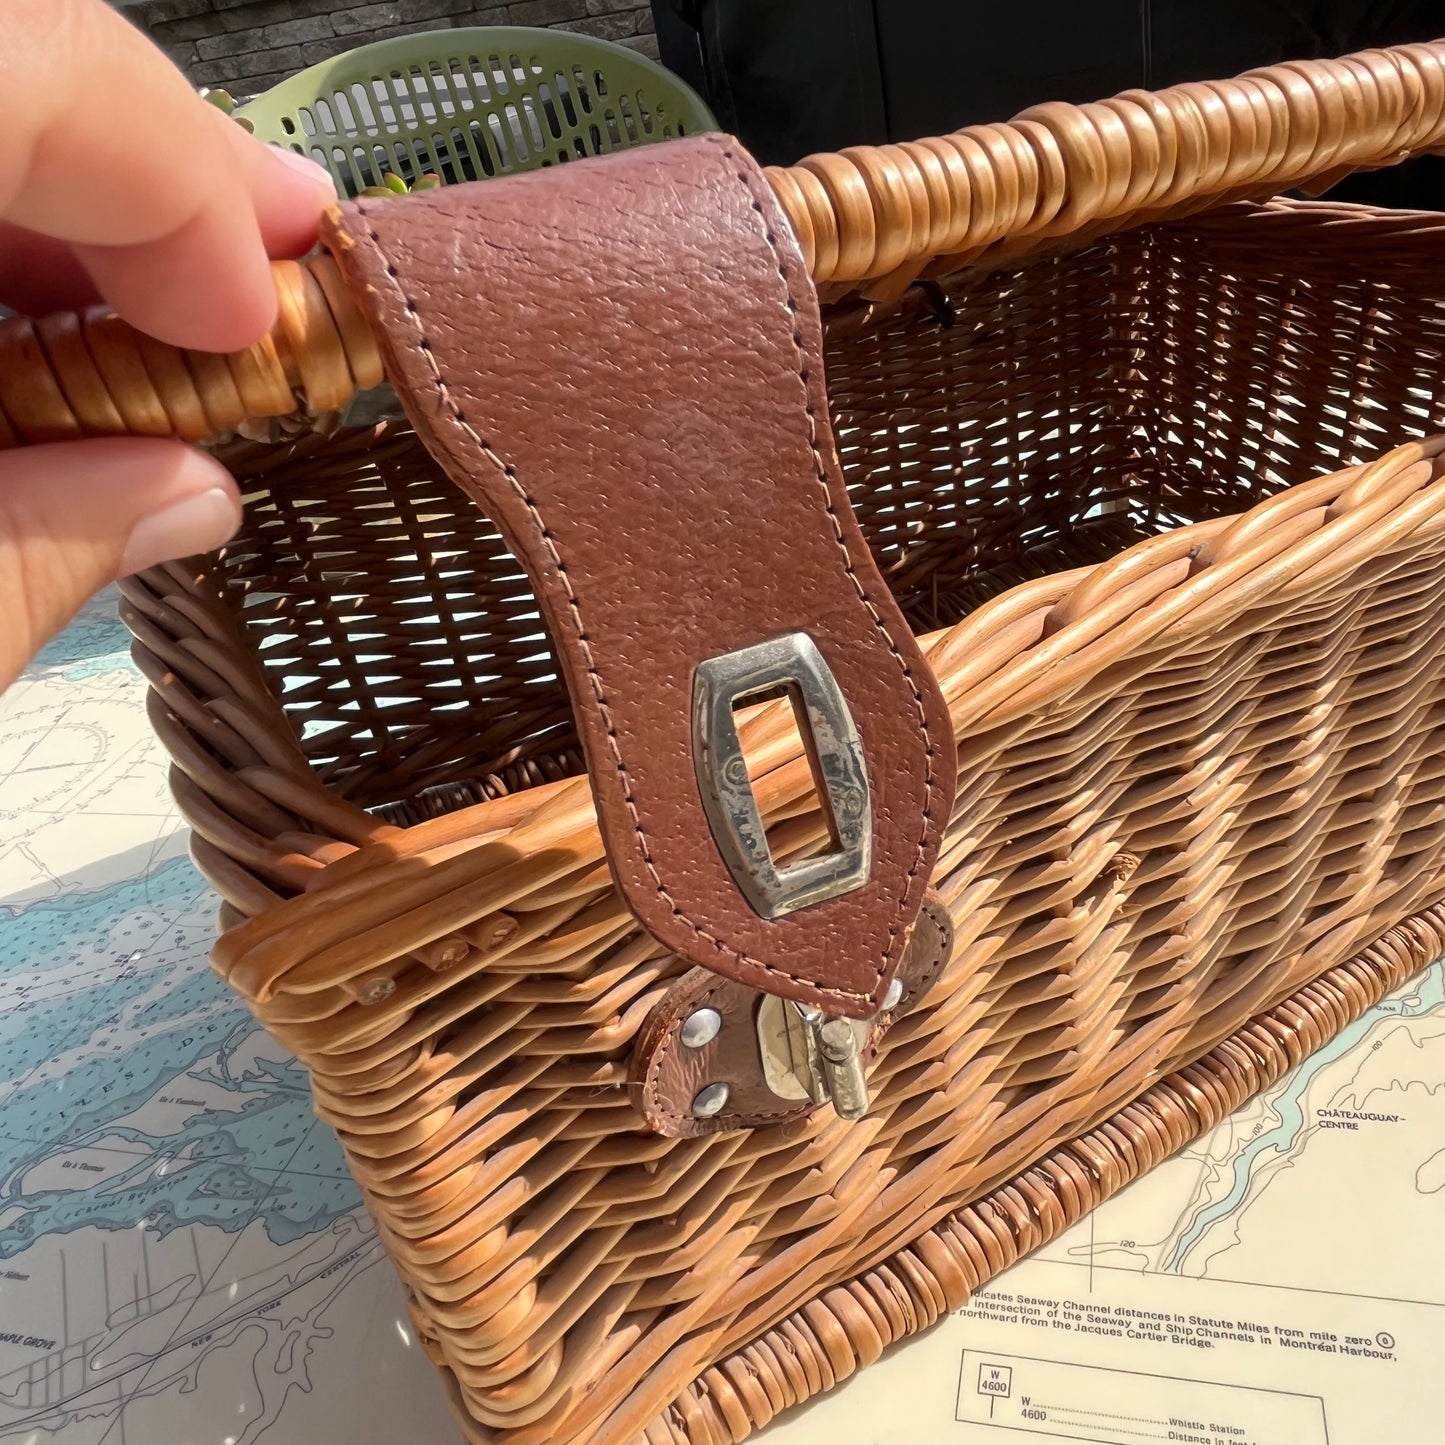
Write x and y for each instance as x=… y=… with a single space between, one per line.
x=119 y=183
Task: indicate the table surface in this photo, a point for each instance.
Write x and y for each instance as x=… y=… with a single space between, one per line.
x=183 y=1257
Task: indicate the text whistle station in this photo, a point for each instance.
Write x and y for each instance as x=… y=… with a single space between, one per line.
x=995 y=1380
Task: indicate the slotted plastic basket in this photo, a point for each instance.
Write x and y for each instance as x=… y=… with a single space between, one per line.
x=470 y=103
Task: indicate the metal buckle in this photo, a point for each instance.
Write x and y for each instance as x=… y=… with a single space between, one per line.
x=808 y=1054
x=727 y=795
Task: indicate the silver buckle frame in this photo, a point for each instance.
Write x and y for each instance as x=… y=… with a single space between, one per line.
x=838 y=769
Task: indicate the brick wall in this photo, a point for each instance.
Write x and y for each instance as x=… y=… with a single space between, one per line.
x=246 y=46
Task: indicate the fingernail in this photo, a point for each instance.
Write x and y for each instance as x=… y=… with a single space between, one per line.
x=317 y=174
x=199 y=523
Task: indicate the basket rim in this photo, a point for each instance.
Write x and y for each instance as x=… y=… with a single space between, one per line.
x=1014 y=658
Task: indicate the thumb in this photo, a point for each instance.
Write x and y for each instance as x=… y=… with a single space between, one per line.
x=77 y=515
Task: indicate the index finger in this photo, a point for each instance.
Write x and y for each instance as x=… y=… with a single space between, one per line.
x=109 y=149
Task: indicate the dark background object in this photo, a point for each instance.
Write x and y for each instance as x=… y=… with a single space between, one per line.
x=795 y=76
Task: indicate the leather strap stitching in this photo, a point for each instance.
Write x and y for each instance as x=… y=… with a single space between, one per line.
x=820 y=474
x=574 y=602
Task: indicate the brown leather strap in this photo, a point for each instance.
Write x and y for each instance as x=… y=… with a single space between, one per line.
x=621 y=360
x=667 y=1074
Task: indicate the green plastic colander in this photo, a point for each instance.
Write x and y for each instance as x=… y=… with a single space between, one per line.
x=466 y=104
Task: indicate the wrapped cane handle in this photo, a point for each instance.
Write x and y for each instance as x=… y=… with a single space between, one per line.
x=90 y=374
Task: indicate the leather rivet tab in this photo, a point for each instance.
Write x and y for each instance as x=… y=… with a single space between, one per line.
x=710 y=1101
x=768 y=1053
x=701 y=1028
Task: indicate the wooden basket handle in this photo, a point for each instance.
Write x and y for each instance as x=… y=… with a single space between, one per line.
x=874 y=217
x=1079 y=171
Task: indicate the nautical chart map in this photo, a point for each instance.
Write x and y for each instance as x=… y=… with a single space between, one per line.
x=184 y=1260
x=183 y=1257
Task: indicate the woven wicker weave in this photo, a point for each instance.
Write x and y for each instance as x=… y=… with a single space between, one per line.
x=1127 y=476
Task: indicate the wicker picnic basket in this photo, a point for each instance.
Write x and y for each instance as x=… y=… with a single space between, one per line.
x=1117 y=429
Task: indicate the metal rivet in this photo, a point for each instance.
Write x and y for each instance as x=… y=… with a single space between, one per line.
x=701 y=1028
x=894 y=996
x=710 y=1101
